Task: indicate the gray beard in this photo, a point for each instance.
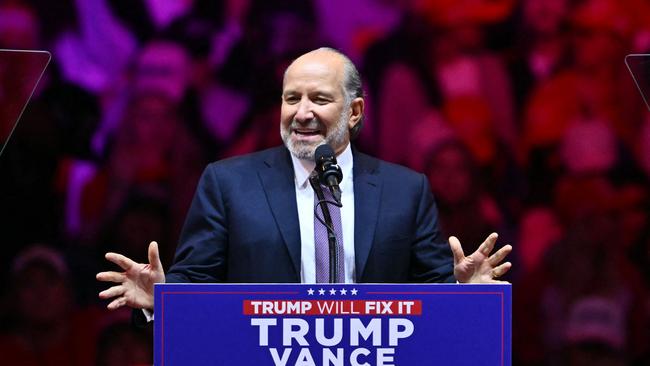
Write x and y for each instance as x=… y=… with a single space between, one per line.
x=305 y=151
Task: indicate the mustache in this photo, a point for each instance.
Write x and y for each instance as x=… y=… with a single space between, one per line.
x=313 y=124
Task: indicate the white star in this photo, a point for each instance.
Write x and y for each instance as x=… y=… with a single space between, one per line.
x=344 y=291
x=332 y=292
x=310 y=291
x=354 y=291
x=321 y=292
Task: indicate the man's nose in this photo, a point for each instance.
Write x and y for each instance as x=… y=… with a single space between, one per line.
x=304 y=112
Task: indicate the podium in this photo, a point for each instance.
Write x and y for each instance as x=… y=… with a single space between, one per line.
x=332 y=324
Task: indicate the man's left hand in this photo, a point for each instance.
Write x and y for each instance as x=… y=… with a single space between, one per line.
x=480 y=266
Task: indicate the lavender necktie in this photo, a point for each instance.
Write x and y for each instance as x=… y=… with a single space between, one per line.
x=321 y=242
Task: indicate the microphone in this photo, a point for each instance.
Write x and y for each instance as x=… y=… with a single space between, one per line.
x=329 y=173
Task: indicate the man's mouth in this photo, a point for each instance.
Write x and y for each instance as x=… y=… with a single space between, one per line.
x=306 y=132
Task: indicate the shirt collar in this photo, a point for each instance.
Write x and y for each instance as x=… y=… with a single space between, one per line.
x=303 y=168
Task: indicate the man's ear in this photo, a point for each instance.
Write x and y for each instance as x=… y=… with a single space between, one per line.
x=356 y=112
x=356 y=117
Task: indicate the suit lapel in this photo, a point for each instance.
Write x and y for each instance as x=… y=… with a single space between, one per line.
x=367 y=193
x=277 y=178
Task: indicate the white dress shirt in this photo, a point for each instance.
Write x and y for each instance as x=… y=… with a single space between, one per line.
x=305 y=200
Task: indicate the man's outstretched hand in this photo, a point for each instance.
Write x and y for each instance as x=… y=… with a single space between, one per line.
x=135 y=285
x=480 y=266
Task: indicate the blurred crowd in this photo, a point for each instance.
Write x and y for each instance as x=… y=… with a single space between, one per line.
x=522 y=114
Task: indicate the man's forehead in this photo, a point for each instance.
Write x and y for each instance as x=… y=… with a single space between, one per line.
x=317 y=65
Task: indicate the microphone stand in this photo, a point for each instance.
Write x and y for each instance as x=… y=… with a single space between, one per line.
x=331 y=235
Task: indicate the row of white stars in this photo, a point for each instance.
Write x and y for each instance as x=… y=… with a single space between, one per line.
x=322 y=291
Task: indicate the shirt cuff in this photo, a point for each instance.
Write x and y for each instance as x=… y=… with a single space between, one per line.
x=148 y=314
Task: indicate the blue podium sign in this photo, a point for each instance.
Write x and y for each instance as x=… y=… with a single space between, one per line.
x=324 y=324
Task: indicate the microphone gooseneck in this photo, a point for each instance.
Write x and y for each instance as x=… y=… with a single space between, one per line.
x=327 y=173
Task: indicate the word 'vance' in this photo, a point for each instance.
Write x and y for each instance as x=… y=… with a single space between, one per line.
x=296 y=331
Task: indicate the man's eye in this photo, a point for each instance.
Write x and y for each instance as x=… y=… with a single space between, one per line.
x=321 y=101
x=291 y=100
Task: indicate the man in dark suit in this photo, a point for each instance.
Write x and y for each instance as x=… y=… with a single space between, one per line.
x=252 y=220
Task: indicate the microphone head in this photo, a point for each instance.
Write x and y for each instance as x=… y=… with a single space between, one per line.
x=329 y=173
x=323 y=151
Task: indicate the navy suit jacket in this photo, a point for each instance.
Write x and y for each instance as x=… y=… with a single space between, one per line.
x=243 y=224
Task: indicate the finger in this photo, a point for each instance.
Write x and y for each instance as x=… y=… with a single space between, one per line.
x=501 y=270
x=112 y=292
x=117 y=303
x=497 y=257
x=111 y=277
x=487 y=246
x=122 y=261
x=154 y=256
x=456 y=249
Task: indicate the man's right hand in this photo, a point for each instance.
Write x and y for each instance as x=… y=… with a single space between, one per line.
x=135 y=284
